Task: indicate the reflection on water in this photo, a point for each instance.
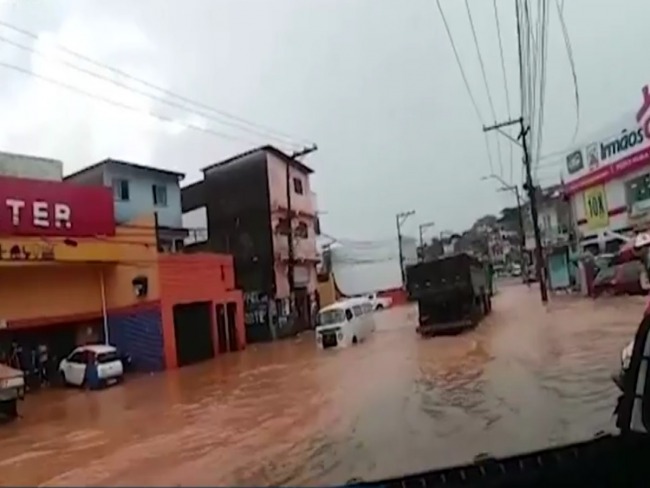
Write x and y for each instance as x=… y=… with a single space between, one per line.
x=286 y=413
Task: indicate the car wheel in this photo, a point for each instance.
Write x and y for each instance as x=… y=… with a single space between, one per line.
x=379 y=307
x=354 y=340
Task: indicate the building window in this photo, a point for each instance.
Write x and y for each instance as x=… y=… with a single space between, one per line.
x=302 y=231
x=179 y=245
x=282 y=227
x=121 y=190
x=297 y=186
x=638 y=194
x=159 y=193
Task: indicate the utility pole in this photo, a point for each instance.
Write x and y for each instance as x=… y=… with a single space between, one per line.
x=290 y=250
x=520 y=217
x=532 y=198
x=400 y=218
x=424 y=226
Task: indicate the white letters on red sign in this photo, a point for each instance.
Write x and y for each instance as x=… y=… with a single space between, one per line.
x=44 y=214
x=16 y=206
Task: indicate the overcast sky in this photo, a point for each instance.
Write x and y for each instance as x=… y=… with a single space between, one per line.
x=373 y=82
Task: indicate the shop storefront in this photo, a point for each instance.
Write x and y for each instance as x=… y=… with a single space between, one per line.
x=608 y=181
x=70 y=276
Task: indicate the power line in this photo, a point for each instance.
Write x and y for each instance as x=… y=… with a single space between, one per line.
x=505 y=78
x=163 y=118
x=464 y=76
x=138 y=91
x=569 y=49
x=164 y=91
x=522 y=59
x=540 y=44
x=487 y=86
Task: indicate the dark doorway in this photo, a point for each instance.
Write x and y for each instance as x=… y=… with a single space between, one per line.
x=231 y=309
x=193 y=329
x=302 y=309
x=222 y=332
x=37 y=351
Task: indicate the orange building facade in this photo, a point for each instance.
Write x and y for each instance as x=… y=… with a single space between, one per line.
x=67 y=285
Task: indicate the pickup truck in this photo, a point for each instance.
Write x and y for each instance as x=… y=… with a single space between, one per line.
x=453 y=293
x=379 y=303
x=12 y=388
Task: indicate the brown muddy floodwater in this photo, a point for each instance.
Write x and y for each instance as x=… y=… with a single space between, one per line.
x=286 y=413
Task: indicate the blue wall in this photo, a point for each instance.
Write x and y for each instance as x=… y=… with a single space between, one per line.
x=139 y=334
x=141 y=197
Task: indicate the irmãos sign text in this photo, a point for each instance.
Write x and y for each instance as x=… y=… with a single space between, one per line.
x=622 y=143
x=48 y=208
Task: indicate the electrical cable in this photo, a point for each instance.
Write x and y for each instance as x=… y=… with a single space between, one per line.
x=522 y=81
x=485 y=81
x=140 y=92
x=464 y=76
x=542 y=89
x=569 y=49
x=221 y=135
x=300 y=141
x=505 y=78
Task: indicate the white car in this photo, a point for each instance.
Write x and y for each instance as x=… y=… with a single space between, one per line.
x=379 y=303
x=102 y=356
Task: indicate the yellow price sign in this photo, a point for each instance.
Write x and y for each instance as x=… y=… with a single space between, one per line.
x=596 y=211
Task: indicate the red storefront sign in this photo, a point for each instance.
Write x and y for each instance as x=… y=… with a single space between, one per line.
x=607 y=173
x=622 y=142
x=52 y=208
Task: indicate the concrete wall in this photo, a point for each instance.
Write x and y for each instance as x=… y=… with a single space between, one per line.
x=38 y=293
x=141 y=196
x=138 y=257
x=24 y=166
x=197 y=278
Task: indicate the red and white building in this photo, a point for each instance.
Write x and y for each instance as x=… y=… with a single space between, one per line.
x=608 y=181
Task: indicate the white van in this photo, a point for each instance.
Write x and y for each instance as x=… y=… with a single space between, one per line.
x=344 y=323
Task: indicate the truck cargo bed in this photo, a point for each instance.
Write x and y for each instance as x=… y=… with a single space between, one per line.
x=443 y=328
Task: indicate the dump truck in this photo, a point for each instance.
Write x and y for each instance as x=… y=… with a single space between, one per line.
x=453 y=293
x=12 y=389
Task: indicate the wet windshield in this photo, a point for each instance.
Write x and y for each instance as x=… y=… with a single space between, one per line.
x=329 y=317
x=328 y=239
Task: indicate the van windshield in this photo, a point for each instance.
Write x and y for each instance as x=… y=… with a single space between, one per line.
x=329 y=317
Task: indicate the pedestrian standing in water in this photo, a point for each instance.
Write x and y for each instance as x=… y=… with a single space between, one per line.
x=43 y=359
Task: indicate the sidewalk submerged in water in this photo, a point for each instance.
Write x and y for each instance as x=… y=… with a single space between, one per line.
x=286 y=413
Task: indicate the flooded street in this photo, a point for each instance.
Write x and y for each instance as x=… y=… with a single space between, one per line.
x=286 y=413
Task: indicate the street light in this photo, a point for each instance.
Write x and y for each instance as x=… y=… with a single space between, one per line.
x=520 y=215
x=424 y=226
x=400 y=218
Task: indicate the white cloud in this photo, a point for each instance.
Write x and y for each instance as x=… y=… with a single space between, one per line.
x=75 y=127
